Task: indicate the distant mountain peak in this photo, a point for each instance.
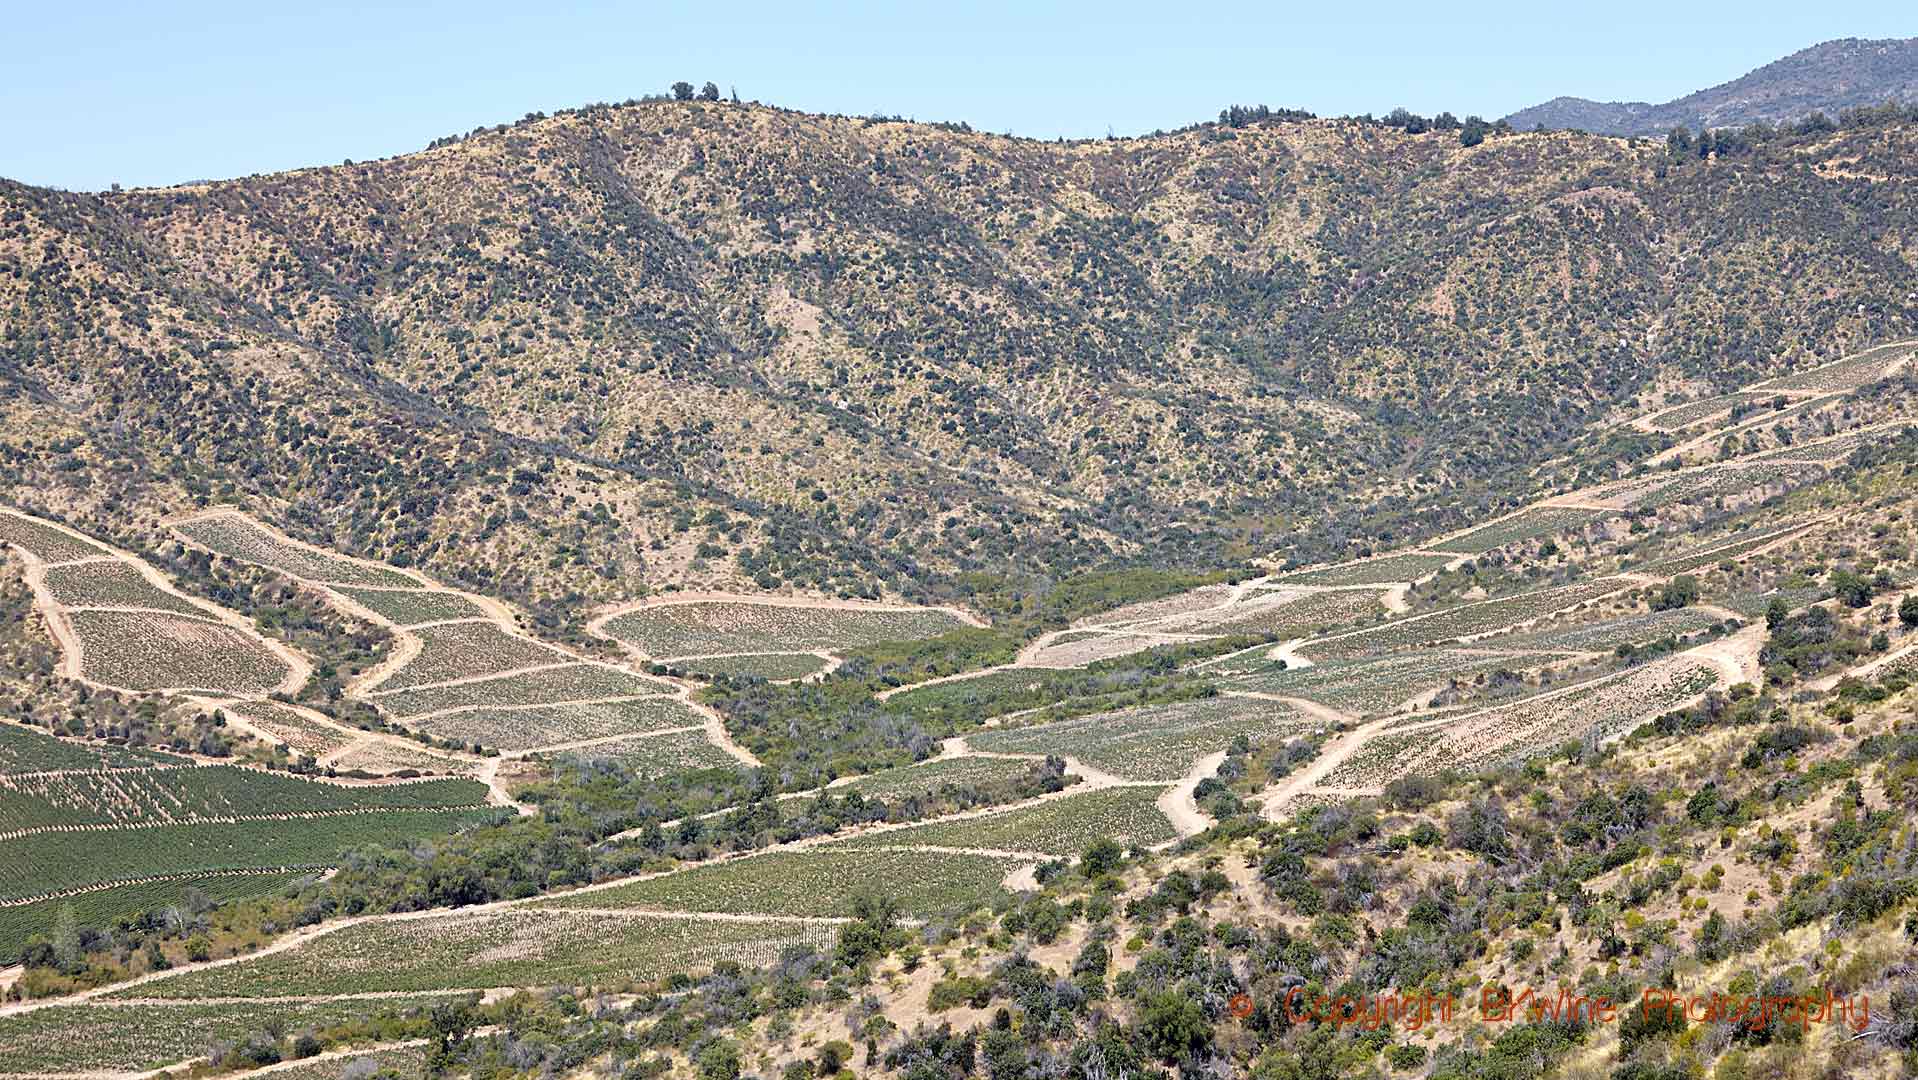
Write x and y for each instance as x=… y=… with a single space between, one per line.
x=1828 y=77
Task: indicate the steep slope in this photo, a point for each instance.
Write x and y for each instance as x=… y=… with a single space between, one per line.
x=1831 y=77
x=722 y=345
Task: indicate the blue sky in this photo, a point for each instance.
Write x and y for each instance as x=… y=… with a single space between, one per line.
x=144 y=93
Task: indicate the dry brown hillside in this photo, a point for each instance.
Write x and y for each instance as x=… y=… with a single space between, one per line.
x=709 y=343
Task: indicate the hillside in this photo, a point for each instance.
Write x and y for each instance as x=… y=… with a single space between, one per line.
x=1641 y=735
x=727 y=346
x=1827 y=78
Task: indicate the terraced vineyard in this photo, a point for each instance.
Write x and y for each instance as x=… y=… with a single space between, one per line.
x=171 y=796
x=40 y=863
x=1153 y=742
x=1721 y=551
x=815 y=881
x=1824 y=451
x=1061 y=827
x=976 y=688
x=1524 y=525
x=1408 y=566
x=1381 y=760
x=926 y=778
x=1683 y=416
x=466 y=672
x=514 y=947
x=1370 y=685
x=1905 y=665
x=772 y=666
x=654 y=756
x=573 y=682
x=144 y=651
x=99 y=907
x=1080 y=648
x=1752 y=605
x=108 y=845
x=1605 y=635
x=112 y=584
x=551 y=725
x=1525 y=674
x=408 y=607
x=239 y=537
x=381 y=757
x=1731 y=479
x=474 y=650
x=1145 y=611
x=1592 y=711
x=25 y=750
x=105 y=831
x=45 y=541
x=94 y=832
x=120 y=626
x=91 y=1038
x=1283 y=613
x=1847 y=374
x=402 y=1061
x=708 y=628
x=294 y=729
x=1465 y=620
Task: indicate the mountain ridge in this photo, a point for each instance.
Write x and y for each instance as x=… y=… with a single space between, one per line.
x=1829 y=77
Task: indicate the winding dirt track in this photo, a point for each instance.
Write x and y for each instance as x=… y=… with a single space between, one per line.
x=1178 y=805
